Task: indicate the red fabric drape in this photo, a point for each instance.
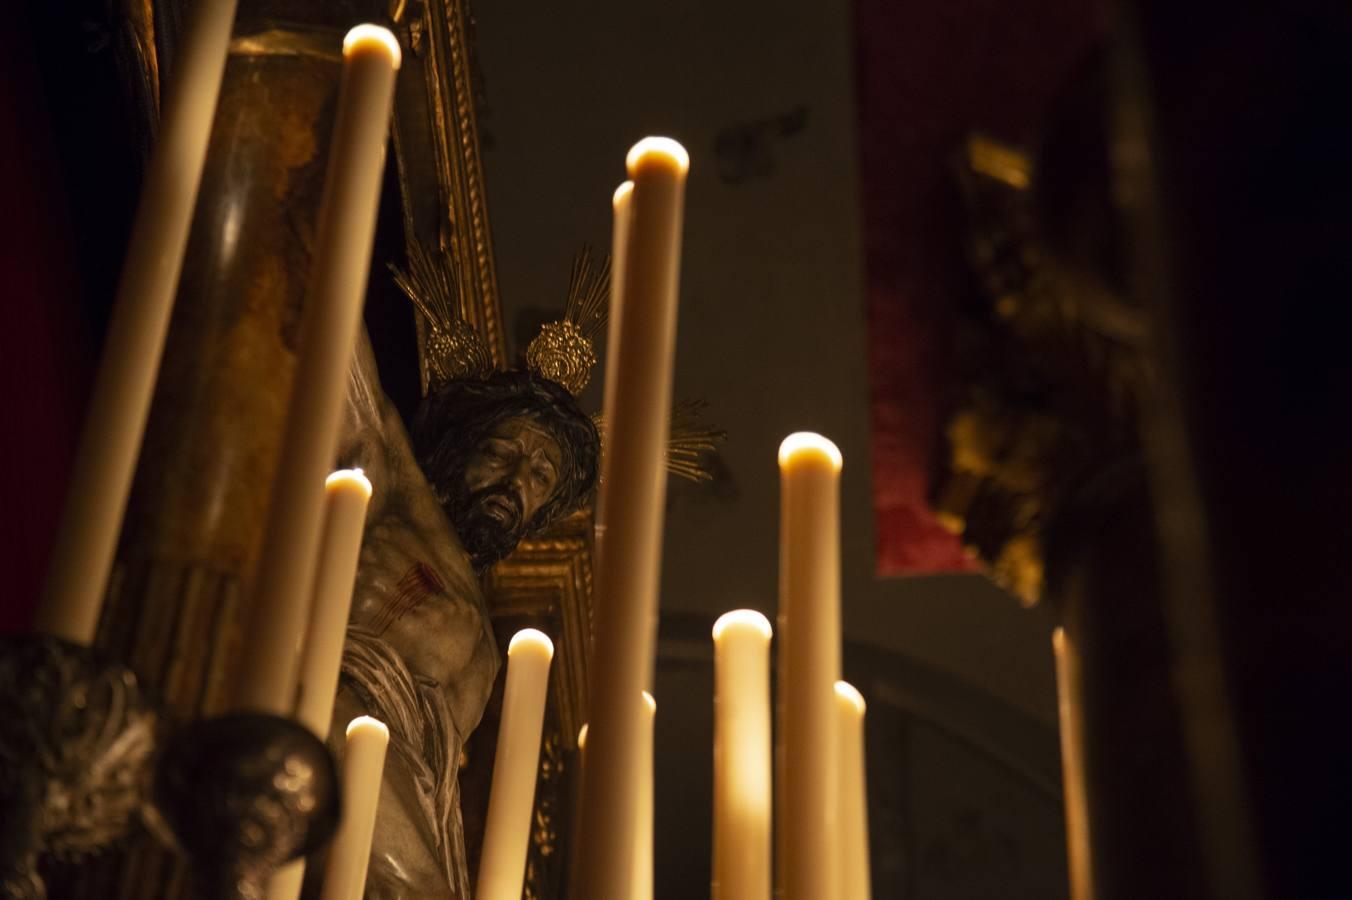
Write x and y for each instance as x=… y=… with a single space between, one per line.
x=44 y=345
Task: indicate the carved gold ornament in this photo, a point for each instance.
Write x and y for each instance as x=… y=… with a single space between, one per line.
x=451 y=347
x=562 y=354
x=564 y=351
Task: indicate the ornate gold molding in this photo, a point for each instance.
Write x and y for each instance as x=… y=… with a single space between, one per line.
x=441 y=182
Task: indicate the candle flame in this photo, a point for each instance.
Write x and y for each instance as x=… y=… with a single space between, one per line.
x=582 y=737
x=349 y=476
x=848 y=692
x=367 y=722
x=532 y=636
x=657 y=146
x=749 y=617
x=809 y=442
x=367 y=35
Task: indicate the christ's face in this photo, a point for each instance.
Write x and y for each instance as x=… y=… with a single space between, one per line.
x=512 y=472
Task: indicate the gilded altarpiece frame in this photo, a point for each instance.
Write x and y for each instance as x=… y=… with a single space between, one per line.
x=179 y=623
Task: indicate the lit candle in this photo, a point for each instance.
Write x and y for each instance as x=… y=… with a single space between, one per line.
x=342 y=257
x=644 y=809
x=619 y=243
x=809 y=654
x=105 y=459
x=347 y=493
x=1068 y=702
x=638 y=418
x=581 y=758
x=741 y=756
x=502 y=864
x=854 y=857
x=363 y=772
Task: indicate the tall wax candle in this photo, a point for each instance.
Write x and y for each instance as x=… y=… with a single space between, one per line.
x=619 y=248
x=741 y=865
x=1072 y=766
x=581 y=759
x=105 y=459
x=855 y=883
x=809 y=654
x=287 y=881
x=645 y=808
x=635 y=471
x=347 y=493
x=363 y=772
x=502 y=863
x=342 y=257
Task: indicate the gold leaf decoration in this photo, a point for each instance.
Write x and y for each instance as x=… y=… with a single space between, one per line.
x=452 y=348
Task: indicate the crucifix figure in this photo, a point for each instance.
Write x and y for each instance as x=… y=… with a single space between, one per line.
x=488 y=460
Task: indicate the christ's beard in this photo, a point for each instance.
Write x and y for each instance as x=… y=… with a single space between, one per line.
x=484 y=532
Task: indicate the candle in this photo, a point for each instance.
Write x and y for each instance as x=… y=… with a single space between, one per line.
x=741 y=868
x=853 y=797
x=363 y=772
x=347 y=222
x=1072 y=766
x=347 y=493
x=809 y=654
x=287 y=881
x=105 y=459
x=619 y=242
x=638 y=417
x=644 y=808
x=581 y=761
x=502 y=864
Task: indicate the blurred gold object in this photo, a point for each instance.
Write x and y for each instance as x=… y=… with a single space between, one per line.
x=1047 y=381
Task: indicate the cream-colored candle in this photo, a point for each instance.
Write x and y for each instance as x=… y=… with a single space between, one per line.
x=809 y=654
x=287 y=881
x=105 y=459
x=337 y=291
x=619 y=243
x=502 y=864
x=347 y=493
x=638 y=419
x=645 y=808
x=363 y=773
x=1078 y=858
x=581 y=761
x=741 y=756
x=855 y=882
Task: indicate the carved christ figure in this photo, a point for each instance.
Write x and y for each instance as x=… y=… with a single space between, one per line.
x=486 y=463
